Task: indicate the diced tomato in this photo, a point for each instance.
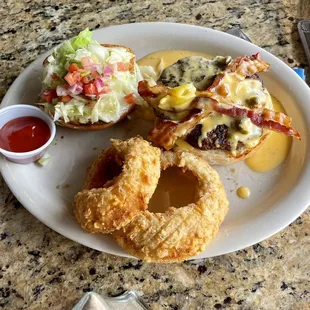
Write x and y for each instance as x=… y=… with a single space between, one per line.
x=122 y=66
x=130 y=98
x=91 y=103
x=77 y=76
x=48 y=95
x=104 y=90
x=70 y=79
x=90 y=89
x=73 y=67
x=86 y=79
x=65 y=99
x=55 y=77
x=95 y=74
x=73 y=77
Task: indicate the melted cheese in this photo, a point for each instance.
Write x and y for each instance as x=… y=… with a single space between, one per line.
x=250 y=137
x=242 y=93
x=274 y=151
x=178 y=98
x=211 y=122
x=183 y=145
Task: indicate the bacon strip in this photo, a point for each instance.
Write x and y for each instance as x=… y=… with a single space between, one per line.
x=247 y=66
x=263 y=118
x=241 y=68
x=167 y=132
x=152 y=94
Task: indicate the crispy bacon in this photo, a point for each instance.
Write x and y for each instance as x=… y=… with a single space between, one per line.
x=167 y=132
x=152 y=94
x=247 y=66
x=163 y=134
x=263 y=118
x=240 y=68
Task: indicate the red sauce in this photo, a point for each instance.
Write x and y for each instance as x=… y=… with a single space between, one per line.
x=24 y=134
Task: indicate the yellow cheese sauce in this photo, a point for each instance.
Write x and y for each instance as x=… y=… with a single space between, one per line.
x=175 y=188
x=162 y=59
x=243 y=192
x=274 y=151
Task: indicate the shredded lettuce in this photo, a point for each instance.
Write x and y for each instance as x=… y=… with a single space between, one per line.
x=98 y=51
x=83 y=39
x=78 y=55
x=43 y=161
x=148 y=73
x=57 y=62
x=70 y=47
x=108 y=108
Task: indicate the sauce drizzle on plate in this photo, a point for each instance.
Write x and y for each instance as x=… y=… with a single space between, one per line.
x=243 y=192
x=274 y=151
x=24 y=134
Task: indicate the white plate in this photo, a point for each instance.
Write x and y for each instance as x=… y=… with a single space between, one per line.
x=278 y=197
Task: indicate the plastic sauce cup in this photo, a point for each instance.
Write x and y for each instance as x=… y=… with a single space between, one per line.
x=20 y=110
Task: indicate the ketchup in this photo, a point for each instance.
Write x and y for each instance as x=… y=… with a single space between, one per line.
x=24 y=134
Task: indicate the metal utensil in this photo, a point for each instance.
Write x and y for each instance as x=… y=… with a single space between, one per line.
x=304 y=33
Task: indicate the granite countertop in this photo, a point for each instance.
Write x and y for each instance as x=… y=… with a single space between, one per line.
x=41 y=269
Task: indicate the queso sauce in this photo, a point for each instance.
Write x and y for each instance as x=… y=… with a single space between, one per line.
x=162 y=59
x=274 y=150
x=24 y=134
x=243 y=192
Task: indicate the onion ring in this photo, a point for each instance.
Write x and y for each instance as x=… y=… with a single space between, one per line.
x=105 y=205
x=179 y=233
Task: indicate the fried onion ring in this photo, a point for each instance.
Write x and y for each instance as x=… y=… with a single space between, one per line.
x=105 y=205
x=179 y=233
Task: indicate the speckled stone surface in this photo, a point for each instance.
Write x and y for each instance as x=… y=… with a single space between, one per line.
x=40 y=269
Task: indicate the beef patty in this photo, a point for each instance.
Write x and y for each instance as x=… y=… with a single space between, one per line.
x=216 y=139
x=193 y=69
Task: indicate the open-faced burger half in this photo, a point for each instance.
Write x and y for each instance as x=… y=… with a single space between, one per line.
x=220 y=110
x=87 y=85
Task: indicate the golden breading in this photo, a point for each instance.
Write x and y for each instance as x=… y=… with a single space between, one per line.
x=106 y=204
x=181 y=233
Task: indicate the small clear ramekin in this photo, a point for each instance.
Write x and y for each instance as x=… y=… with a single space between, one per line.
x=20 y=110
